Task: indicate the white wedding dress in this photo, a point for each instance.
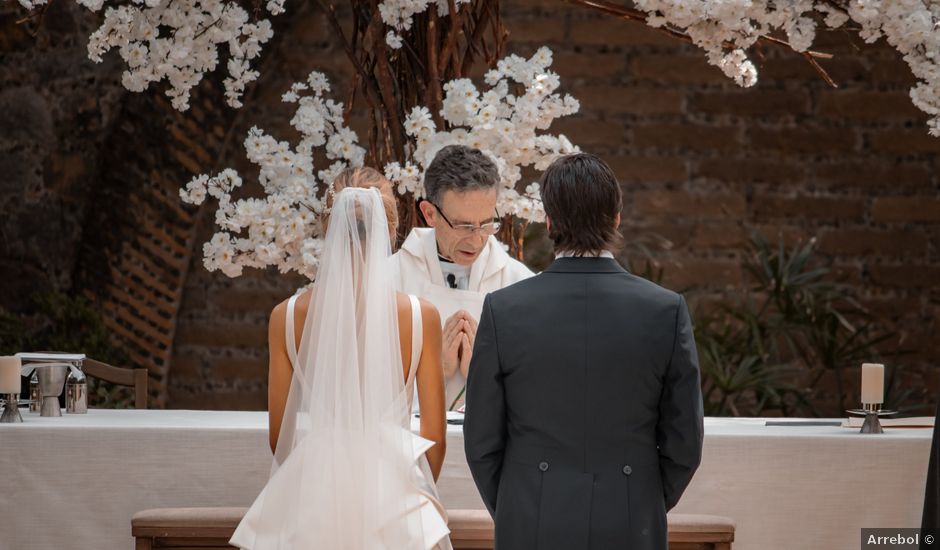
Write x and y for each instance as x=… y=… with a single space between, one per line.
x=348 y=471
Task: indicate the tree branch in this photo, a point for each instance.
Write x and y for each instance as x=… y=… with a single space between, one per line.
x=386 y=85
x=455 y=29
x=435 y=92
x=637 y=15
x=477 y=38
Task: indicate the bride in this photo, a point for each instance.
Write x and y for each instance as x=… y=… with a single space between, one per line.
x=348 y=473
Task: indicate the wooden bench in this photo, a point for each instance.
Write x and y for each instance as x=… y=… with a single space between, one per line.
x=206 y=528
x=185 y=528
x=470 y=529
x=700 y=532
x=474 y=529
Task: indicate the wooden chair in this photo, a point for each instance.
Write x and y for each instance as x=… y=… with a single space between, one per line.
x=205 y=528
x=135 y=378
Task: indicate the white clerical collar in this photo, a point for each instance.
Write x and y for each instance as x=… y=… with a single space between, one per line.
x=455 y=275
x=422 y=244
x=569 y=254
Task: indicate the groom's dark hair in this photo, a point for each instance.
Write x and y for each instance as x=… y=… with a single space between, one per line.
x=582 y=198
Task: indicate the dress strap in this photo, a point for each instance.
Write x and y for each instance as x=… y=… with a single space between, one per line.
x=417 y=336
x=291 y=342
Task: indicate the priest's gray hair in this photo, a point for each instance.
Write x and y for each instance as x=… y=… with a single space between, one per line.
x=459 y=168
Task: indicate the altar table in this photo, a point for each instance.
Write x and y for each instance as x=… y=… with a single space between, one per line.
x=74 y=482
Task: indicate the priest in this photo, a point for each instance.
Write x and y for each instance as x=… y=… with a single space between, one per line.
x=456 y=260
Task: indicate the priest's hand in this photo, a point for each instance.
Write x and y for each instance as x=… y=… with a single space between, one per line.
x=458 y=335
x=452 y=338
x=466 y=344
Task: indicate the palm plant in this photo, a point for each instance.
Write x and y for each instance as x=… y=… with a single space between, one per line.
x=769 y=348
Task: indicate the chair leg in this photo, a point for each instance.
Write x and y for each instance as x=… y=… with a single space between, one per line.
x=144 y=543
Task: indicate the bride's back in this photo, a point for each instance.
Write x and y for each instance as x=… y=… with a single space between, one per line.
x=429 y=379
x=361 y=219
x=403 y=305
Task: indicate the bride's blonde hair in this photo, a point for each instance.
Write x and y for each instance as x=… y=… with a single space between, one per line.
x=366 y=177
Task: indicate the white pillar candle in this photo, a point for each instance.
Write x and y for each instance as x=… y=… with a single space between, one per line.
x=873 y=383
x=10 y=375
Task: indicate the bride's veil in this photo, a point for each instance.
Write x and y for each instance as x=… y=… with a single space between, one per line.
x=343 y=474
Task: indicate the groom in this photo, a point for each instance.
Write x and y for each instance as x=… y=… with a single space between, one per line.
x=584 y=405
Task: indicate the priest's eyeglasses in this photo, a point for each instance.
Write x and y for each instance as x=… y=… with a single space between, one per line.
x=466 y=230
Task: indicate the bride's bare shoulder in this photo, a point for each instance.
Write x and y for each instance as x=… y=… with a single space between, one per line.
x=303 y=302
x=276 y=321
x=279 y=313
x=429 y=314
x=404 y=305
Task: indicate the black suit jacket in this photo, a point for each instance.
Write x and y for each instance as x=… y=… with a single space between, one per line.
x=584 y=408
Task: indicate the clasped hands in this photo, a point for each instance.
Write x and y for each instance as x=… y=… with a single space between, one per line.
x=460 y=331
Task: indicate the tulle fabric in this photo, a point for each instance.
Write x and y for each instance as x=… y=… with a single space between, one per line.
x=348 y=472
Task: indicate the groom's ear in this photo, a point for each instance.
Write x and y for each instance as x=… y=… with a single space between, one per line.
x=429 y=212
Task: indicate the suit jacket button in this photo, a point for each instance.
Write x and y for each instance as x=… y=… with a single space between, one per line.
x=543 y=466
x=627 y=470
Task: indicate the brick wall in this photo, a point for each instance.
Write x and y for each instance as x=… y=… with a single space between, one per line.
x=702 y=163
